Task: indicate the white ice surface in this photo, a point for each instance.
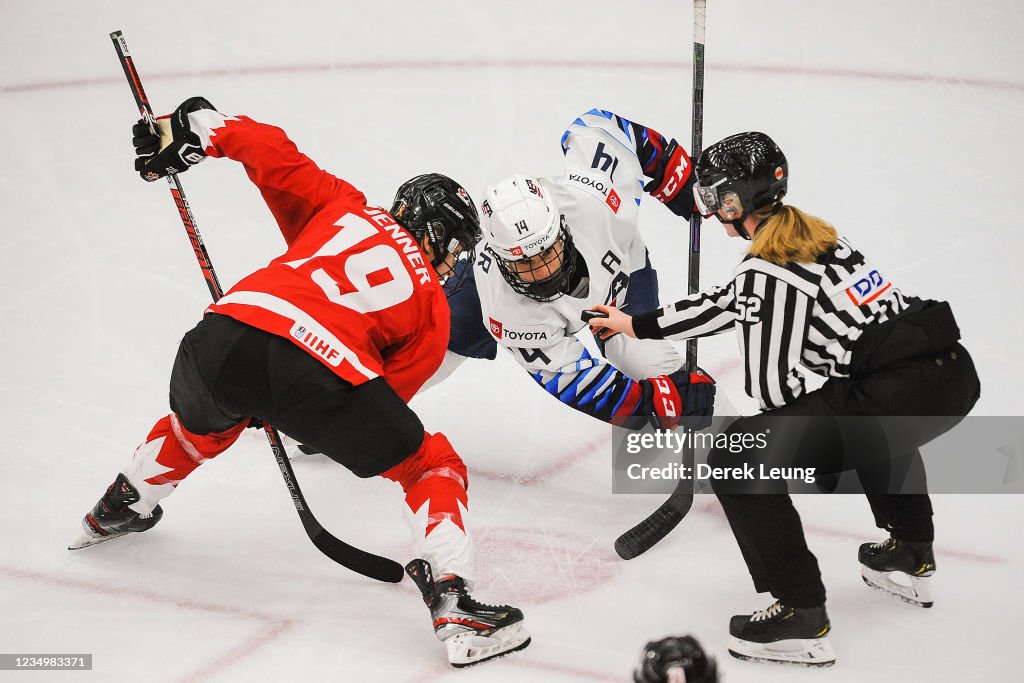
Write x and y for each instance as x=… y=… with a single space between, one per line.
x=903 y=125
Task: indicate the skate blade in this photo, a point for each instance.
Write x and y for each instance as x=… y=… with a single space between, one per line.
x=86 y=540
x=467 y=649
x=811 y=652
x=918 y=593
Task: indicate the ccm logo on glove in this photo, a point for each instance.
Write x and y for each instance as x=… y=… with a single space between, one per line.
x=668 y=395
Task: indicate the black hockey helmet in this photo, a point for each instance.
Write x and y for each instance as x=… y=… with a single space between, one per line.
x=739 y=175
x=683 y=653
x=435 y=206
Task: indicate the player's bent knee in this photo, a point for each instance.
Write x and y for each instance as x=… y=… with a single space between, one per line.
x=435 y=457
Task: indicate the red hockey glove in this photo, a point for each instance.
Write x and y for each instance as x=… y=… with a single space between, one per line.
x=681 y=394
x=672 y=180
x=174 y=149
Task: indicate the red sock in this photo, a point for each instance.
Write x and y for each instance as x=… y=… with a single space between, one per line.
x=169 y=454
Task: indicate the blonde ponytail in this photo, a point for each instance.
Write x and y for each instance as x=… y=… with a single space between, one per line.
x=792 y=236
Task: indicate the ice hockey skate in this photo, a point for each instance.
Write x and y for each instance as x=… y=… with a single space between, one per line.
x=902 y=569
x=783 y=635
x=471 y=631
x=111 y=517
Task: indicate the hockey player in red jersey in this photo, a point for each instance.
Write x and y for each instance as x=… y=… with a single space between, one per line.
x=328 y=343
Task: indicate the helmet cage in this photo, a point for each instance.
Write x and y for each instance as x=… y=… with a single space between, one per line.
x=553 y=286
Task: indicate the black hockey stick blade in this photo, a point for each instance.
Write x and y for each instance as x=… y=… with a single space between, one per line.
x=359 y=561
x=348 y=556
x=658 y=524
x=650 y=531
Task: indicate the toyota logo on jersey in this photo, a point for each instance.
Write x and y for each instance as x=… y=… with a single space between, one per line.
x=496 y=328
x=613 y=201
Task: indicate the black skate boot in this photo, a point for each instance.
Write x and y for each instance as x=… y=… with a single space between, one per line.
x=471 y=631
x=914 y=560
x=786 y=635
x=111 y=517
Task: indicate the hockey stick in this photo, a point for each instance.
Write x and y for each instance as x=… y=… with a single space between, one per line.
x=647 y=533
x=357 y=560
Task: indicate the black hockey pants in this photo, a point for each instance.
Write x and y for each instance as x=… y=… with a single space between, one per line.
x=227 y=371
x=911 y=366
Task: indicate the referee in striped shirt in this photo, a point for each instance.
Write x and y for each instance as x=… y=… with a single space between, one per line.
x=804 y=298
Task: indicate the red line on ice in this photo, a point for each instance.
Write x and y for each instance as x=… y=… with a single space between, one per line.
x=554 y=565
x=544 y=474
x=266 y=635
x=273 y=626
x=833 y=72
x=559 y=466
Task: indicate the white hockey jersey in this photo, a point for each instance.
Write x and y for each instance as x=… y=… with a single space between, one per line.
x=599 y=196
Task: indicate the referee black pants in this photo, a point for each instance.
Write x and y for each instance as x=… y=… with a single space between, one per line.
x=938 y=386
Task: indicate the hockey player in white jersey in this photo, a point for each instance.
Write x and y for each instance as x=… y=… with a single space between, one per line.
x=555 y=247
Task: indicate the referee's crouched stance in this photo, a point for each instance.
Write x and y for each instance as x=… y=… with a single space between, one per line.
x=805 y=296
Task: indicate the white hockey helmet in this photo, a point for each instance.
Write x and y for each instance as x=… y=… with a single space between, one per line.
x=529 y=238
x=520 y=219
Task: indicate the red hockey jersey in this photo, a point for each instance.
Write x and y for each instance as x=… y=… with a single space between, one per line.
x=353 y=289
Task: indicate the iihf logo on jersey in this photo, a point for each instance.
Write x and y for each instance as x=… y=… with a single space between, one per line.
x=316 y=344
x=867 y=289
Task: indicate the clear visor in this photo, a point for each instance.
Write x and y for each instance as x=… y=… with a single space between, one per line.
x=452 y=270
x=713 y=199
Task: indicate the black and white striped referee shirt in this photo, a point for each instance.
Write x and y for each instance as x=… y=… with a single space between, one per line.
x=806 y=314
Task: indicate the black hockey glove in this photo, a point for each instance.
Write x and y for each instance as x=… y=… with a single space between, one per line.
x=174 y=148
x=672 y=180
x=669 y=398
